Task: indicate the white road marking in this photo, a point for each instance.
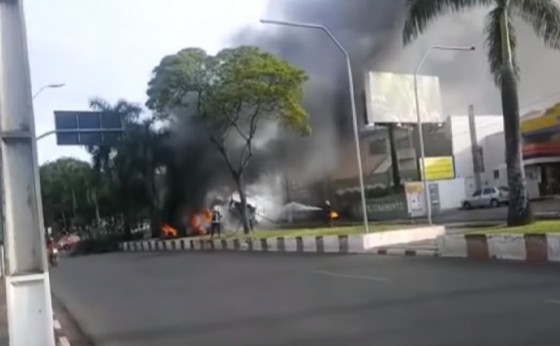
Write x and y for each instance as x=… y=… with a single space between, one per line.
x=351 y=276
x=57 y=325
x=63 y=341
x=553 y=301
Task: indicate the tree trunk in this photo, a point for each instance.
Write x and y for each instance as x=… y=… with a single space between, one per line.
x=64 y=221
x=519 y=211
x=243 y=199
x=154 y=222
x=153 y=203
x=127 y=230
x=97 y=216
x=394 y=158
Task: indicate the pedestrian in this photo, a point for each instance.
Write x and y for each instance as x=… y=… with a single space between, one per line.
x=252 y=216
x=328 y=213
x=216 y=225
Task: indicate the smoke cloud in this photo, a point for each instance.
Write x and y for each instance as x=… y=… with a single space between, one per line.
x=371 y=32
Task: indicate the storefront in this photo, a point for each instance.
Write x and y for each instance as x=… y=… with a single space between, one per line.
x=541 y=149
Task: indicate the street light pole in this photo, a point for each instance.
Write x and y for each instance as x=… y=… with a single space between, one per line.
x=43 y=135
x=427 y=199
x=352 y=102
x=48 y=86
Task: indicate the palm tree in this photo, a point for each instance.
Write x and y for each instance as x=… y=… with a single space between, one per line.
x=129 y=112
x=138 y=158
x=544 y=17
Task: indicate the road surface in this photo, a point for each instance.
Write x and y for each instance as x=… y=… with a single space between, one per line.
x=281 y=299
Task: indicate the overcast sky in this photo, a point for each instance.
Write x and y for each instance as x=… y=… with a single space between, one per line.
x=107 y=48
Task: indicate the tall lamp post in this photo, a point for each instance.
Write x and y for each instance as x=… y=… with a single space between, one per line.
x=352 y=100
x=427 y=198
x=48 y=86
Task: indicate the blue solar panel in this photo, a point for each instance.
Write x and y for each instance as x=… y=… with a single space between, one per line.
x=85 y=125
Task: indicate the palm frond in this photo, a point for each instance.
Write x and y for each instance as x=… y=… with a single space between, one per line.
x=493 y=44
x=543 y=16
x=99 y=104
x=420 y=13
x=129 y=111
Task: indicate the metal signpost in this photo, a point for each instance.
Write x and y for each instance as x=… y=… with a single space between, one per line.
x=86 y=128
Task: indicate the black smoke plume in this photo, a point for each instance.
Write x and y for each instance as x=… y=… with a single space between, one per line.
x=371 y=31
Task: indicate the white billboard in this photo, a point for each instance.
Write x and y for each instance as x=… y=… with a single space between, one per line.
x=390 y=98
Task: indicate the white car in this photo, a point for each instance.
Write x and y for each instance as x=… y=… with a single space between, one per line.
x=487 y=197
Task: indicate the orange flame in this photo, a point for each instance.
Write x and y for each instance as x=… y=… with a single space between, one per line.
x=168 y=231
x=208 y=215
x=334 y=215
x=199 y=222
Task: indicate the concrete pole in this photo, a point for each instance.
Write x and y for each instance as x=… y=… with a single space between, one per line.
x=427 y=198
x=475 y=150
x=30 y=319
x=424 y=173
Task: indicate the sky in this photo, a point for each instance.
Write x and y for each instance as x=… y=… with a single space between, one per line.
x=108 y=48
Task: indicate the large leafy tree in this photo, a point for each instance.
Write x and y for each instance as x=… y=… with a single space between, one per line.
x=234 y=92
x=64 y=187
x=501 y=42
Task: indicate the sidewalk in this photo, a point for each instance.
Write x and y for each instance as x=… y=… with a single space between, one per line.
x=4 y=341
x=61 y=339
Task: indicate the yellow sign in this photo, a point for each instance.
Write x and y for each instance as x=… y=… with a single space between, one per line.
x=550 y=119
x=439 y=168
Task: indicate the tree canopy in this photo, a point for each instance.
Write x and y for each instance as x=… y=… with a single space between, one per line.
x=228 y=96
x=233 y=92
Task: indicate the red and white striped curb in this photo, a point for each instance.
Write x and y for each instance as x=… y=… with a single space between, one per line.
x=523 y=247
x=61 y=339
x=355 y=243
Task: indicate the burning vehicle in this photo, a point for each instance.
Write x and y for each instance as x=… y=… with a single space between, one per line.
x=167 y=231
x=197 y=224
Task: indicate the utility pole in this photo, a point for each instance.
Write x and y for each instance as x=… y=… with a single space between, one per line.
x=476 y=151
x=30 y=315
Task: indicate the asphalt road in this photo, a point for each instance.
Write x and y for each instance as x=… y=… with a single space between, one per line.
x=269 y=299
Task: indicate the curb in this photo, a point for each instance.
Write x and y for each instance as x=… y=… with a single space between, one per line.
x=343 y=244
x=519 y=247
x=61 y=339
x=318 y=244
x=407 y=252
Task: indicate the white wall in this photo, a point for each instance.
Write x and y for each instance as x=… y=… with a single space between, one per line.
x=494 y=147
x=490 y=137
x=451 y=193
x=486 y=125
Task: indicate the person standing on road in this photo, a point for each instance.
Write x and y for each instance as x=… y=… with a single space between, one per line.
x=216 y=225
x=327 y=210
